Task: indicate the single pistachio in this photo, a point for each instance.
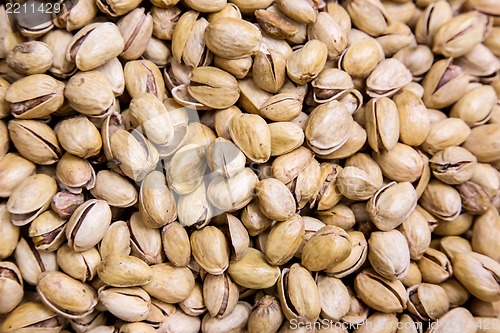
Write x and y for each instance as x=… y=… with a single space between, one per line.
x=361 y=58
x=284 y=240
x=157 y=52
x=382 y=123
x=485 y=231
x=58 y=42
x=29 y=316
x=91 y=322
x=28 y=58
x=303 y=11
x=193 y=209
x=451 y=245
x=200 y=134
x=299 y=294
x=481 y=61
x=307 y=184
x=458 y=317
x=331 y=83
x=233 y=193
x=355 y=184
x=239 y=68
x=487 y=177
x=432 y=18
x=124 y=271
x=268 y=190
x=457 y=293
x=194 y=53
x=446 y=133
x=368 y=165
x=180 y=320
x=32 y=262
x=145 y=242
x=453 y=165
x=14 y=169
x=89 y=93
x=306 y=63
x=327 y=30
x=444 y=84
x=136 y=29
x=417 y=232
x=47 y=231
x=455 y=227
x=413 y=277
x=379 y=322
x=285 y=137
x=475 y=110
x=73 y=16
x=235 y=321
x=334 y=298
x=186 y=169
x=391 y=205
x=282 y=107
x=381 y=294
x=11 y=287
x=253 y=219
x=435 y=266
x=194 y=305
x=94 y=45
x=328 y=195
x=266 y=315
x=482 y=142
x=368 y=16
x=31 y=198
x=236 y=234
x=88 y=224
x=220 y=294
x=65 y=295
x=441 y=200
x=137 y=300
x=414 y=122
x=275 y=25
x=252 y=97
x=9 y=233
x=143 y=76
x=427 y=301
x=176 y=244
x=387 y=78
x=354 y=143
x=78 y=136
x=210 y=249
x=253 y=271
x=269 y=70
x=164 y=21
x=327 y=247
x=397 y=36
x=156 y=202
x=170 y=284
x=356 y=258
x=116 y=240
x=115 y=189
x=389 y=254
x=251 y=134
x=74 y=173
x=225 y=158
x=64 y=203
x=418 y=59
x=159 y=312
x=35 y=96
x=81 y=266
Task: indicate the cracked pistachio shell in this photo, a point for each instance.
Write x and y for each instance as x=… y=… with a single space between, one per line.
x=476 y=106
x=435 y=266
x=89 y=93
x=193 y=209
x=285 y=137
x=165 y=21
x=176 y=245
x=444 y=84
x=361 y=58
x=299 y=294
x=220 y=295
x=116 y=240
x=58 y=41
x=354 y=143
x=137 y=302
x=328 y=195
x=28 y=58
x=88 y=224
x=124 y=271
x=11 y=287
x=234 y=322
x=156 y=201
x=252 y=97
x=418 y=59
x=331 y=84
x=389 y=254
x=254 y=220
x=382 y=123
x=275 y=199
x=334 y=298
x=143 y=76
x=31 y=198
x=397 y=36
x=453 y=165
x=236 y=234
x=182 y=32
x=194 y=305
x=117 y=190
x=441 y=200
x=391 y=205
x=284 y=240
x=145 y=241
x=74 y=173
x=94 y=45
x=275 y=25
x=446 y=133
x=9 y=233
x=287 y=167
x=461 y=34
x=485 y=232
x=32 y=262
x=29 y=316
x=170 y=284
x=402 y=163
x=47 y=231
x=479 y=274
x=253 y=271
x=213 y=87
x=186 y=169
x=358 y=311
x=149 y=113
x=432 y=18
x=233 y=193
x=232 y=38
x=78 y=136
x=307 y=184
x=427 y=301
x=210 y=249
x=356 y=184
x=35 y=96
x=116 y=8
x=387 y=78
x=483 y=143
x=35 y=141
x=269 y=70
x=414 y=121
x=356 y=258
x=481 y=61
x=75 y=15
x=13 y=170
x=307 y=62
x=136 y=29
x=328 y=127
x=369 y=16
x=81 y=266
x=327 y=30
x=379 y=293
x=266 y=314
x=65 y=295
x=328 y=246
x=339 y=215
x=451 y=245
x=282 y=107
x=251 y=134
x=225 y=158
x=135 y=155
x=417 y=233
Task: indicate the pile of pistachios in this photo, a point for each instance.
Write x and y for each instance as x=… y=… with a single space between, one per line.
x=252 y=166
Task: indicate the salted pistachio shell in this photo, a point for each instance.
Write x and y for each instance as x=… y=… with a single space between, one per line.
x=220 y=294
x=74 y=173
x=176 y=244
x=431 y=19
x=137 y=300
x=453 y=165
x=402 y=163
x=253 y=271
x=170 y=284
x=389 y=254
x=282 y=107
x=210 y=249
x=88 y=224
x=331 y=83
x=47 y=231
x=124 y=271
x=136 y=29
x=225 y=158
x=78 y=136
x=35 y=141
x=441 y=200
x=81 y=266
x=354 y=183
x=239 y=68
x=31 y=198
x=382 y=124
x=115 y=189
x=327 y=30
x=32 y=57
x=32 y=262
x=65 y=295
x=186 y=169
x=284 y=240
x=361 y=57
x=486 y=151
x=194 y=305
x=213 y=87
x=288 y=166
x=235 y=321
x=387 y=78
x=285 y=137
x=306 y=63
x=251 y=134
x=334 y=297
x=232 y=38
x=368 y=16
x=414 y=122
x=266 y=313
x=417 y=232
x=275 y=199
x=11 y=286
x=299 y=294
x=252 y=97
x=253 y=219
x=28 y=316
x=484 y=232
x=458 y=316
x=356 y=258
x=435 y=266
x=145 y=241
x=468 y=109
x=143 y=76
x=156 y=201
x=269 y=70
x=354 y=143
x=9 y=233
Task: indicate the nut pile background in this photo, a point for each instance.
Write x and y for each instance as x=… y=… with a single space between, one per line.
x=251 y=166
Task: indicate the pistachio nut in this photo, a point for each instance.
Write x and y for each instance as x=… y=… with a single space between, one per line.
x=327 y=247
x=74 y=173
x=13 y=170
x=331 y=83
x=417 y=232
x=73 y=16
x=369 y=16
x=47 y=231
x=253 y=271
x=65 y=295
x=355 y=184
x=306 y=63
x=387 y=78
x=236 y=234
x=235 y=321
x=458 y=317
x=194 y=305
x=180 y=320
x=33 y=57
x=58 y=41
x=116 y=240
x=382 y=123
x=78 y=136
x=435 y=266
x=251 y=134
x=427 y=301
x=224 y=158
x=414 y=122
x=210 y=249
x=275 y=199
x=275 y=25
x=453 y=165
x=32 y=262
x=88 y=224
x=486 y=151
x=239 y=68
x=441 y=200
x=299 y=294
x=432 y=18
x=136 y=29
x=328 y=195
x=32 y=317
x=89 y=93
x=193 y=209
x=334 y=298
x=389 y=254
x=485 y=232
x=451 y=245
x=9 y=233
x=115 y=189
x=284 y=240
x=253 y=219
x=35 y=141
x=445 y=133
x=137 y=302
x=456 y=227
x=356 y=258
x=124 y=271
x=145 y=242
x=468 y=109
x=170 y=284
x=266 y=315
x=358 y=311
x=252 y=97
x=220 y=295
x=379 y=293
x=143 y=76
x=81 y=266
x=186 y=169
x=156 y=202
x=269 y=70
x=413 y=277
x=361 y=57
x=282 y=107
x=11 y=286
x=213 y=87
